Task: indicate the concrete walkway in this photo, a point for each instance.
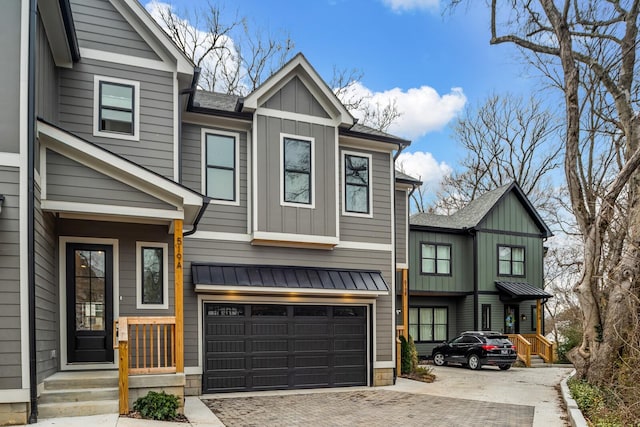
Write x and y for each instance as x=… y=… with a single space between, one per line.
x=459 y=396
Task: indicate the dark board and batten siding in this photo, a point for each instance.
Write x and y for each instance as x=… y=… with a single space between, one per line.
x=294 y=97
x=100 y=26
x=10 y=20
x=379 y=228
x=10 y=334
x=510 y=215
x=47 y=302
x=200 y=250
x=154 y=150
x=70 y=181
x=401 y=226
x=217 y=217
x=127 y=236
x=272 y=217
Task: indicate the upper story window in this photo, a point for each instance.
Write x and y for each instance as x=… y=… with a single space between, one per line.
x=436 y=258
x=116 y=108
x=297 y=171
x=357 y=184
x=220 y=166
x=511 y=261
x=152 y=283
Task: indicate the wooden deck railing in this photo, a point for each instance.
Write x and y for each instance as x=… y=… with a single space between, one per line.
x=146 y=345
x=528 y=344
x=523 y=348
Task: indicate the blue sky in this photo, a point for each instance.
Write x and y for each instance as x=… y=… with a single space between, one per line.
x=433 y=63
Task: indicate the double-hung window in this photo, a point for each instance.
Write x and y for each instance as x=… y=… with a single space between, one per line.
x=152 y=275
x=220 y=168
x=436 y=258
x=116 y=108
x=428 y=323
x=511 y=261
x=297 y=171
x=357 y=184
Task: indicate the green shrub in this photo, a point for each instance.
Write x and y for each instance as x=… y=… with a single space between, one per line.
x=158 y=406
x=573 y=338
x=595 y=403
x=409 y=354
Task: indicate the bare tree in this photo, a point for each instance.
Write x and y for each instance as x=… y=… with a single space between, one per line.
x=234 y=58
x=505 y=139
x=588 y=48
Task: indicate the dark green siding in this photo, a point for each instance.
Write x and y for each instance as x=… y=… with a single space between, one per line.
x=510 y=215
x=461 y=278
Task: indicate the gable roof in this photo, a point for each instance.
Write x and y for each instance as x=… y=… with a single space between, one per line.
x=299 y=66
x=477 y=210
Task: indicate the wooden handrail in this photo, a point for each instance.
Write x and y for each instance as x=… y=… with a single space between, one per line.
x=541 y=346
x=146 y=345
x=523 y=348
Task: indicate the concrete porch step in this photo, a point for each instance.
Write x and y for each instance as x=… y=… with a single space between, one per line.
x=79 y=395
x=538 y=362
x=77 y=409
x=81 y=379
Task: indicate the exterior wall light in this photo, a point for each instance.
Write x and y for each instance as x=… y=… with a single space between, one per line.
x=523 y=317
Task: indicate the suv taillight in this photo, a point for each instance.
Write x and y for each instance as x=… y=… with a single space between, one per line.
x=488 y=347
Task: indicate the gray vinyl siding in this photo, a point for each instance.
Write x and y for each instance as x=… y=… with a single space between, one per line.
x=199 y=250
x=100 y=26
x=10 y=81
x=425 y=348
x=377 y=229
x=154 y=150
x=294 y=97
x=70 y=181
x=402 y=218
x=272 y=217
x=127 y=235
x=217 y=217
x=461 y=278
x=10 y=350
x=47 y=302
x=510 y=215
x=488 y=259
x=46 y=79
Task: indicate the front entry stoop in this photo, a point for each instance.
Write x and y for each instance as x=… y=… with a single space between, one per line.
x=538 y=362
x=79 y=393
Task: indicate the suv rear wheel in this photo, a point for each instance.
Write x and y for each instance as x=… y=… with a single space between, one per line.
x=473 y=361
x=504 y=367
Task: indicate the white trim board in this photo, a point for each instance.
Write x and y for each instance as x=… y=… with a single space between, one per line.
x=10 y=159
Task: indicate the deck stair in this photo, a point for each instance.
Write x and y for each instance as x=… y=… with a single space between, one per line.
x=538 y=362
x=79 y=393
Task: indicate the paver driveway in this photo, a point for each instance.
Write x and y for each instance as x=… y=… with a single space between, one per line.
x=518 y=397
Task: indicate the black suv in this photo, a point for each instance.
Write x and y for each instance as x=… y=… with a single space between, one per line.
x=475 y=348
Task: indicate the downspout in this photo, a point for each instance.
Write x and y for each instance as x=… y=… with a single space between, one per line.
x=31 y=278
x=191 y=91
x=475 y=279
x=205 y=204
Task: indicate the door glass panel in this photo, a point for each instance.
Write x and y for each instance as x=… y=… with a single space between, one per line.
x=90 y=290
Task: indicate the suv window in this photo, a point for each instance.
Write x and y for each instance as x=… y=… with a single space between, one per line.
x=469 y=339
x=498 y=341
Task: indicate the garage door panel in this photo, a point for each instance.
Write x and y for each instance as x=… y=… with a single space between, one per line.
x=284 y=347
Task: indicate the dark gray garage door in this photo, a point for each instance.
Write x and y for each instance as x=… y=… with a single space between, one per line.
x=267 y=347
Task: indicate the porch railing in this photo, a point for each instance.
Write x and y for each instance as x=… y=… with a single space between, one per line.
x=146 y=345
x=540 y=346
x=523 y=348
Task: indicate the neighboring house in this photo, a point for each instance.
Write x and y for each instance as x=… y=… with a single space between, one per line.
x=478 y=269
x=237 y=243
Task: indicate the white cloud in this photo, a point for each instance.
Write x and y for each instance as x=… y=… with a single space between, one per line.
x=424 y=166
x=422 y=109
x=404 y=5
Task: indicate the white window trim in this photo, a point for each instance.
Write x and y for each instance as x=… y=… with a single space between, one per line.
x=312 y=140
x=203 y=171
x=96 y=108
x=165 y=275
x=343 y=180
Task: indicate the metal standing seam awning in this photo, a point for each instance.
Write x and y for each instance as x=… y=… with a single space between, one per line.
x=520 y=291
x=216 y=278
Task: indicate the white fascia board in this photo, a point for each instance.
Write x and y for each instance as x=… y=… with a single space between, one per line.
x=301 y=67
x=182 y=64
x=120 y=58
x=51 y=17
x=287 y=291
x=296 y=238
x=109 y=164
x=367 y=144
x=101 y=209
